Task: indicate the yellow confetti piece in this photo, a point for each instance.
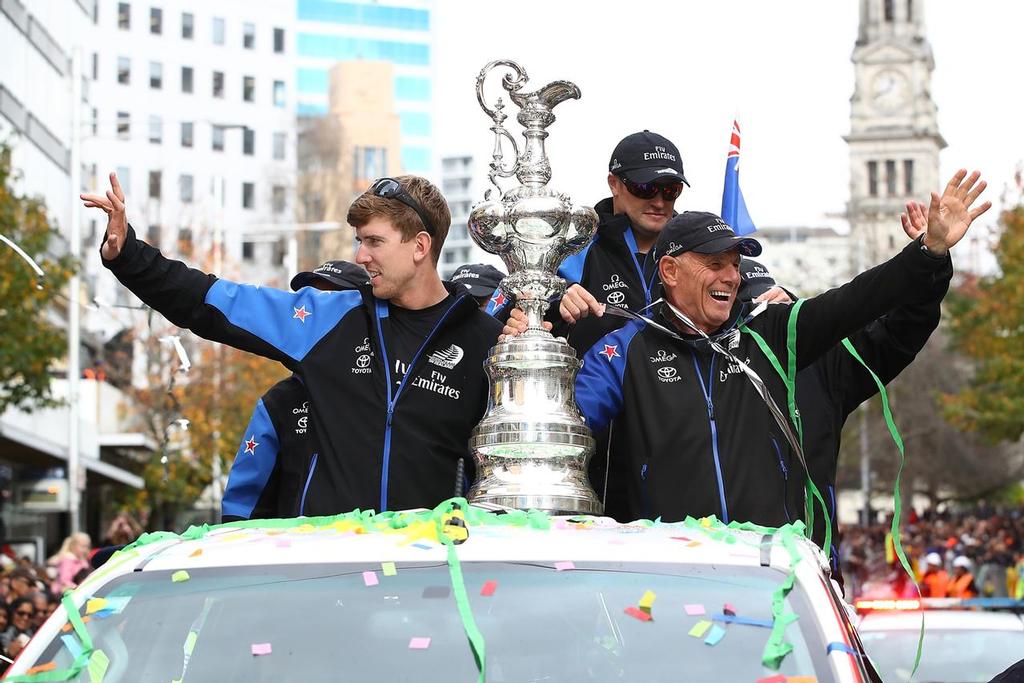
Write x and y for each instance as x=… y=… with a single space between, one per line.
x=388 y=568
x=705 y=522
x=700 y=628
x=196 y=553
x=647 y=601
x=801 y=679
x=233 y=536
x=179 y=576
x=98 y=664
x=305 y=529
x=95 y=605
x=693 y=544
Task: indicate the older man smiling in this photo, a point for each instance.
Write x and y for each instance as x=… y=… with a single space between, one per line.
x=690 y=387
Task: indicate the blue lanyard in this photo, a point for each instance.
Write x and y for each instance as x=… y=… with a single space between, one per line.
x=633 y=249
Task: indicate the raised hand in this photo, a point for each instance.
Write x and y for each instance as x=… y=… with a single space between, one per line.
x=950 y=215
x=914 y=219
x=117 y=222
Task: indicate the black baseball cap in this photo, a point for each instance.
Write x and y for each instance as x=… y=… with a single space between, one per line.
x=704 y=233
x=755 y=279
x=480 y=279
x=645 y=157
x=341 y=274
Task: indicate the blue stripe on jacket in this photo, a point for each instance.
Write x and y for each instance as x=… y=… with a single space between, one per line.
x=599 y=382
x=254 y=463
x=292 y=322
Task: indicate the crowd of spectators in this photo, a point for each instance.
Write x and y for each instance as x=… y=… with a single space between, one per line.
x=983 y=541
x=29 y=593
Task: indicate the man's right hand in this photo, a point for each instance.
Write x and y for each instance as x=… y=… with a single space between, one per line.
x=117 y=222
x=577 y=303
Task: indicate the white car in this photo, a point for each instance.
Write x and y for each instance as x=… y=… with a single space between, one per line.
x=353 y=598
x=960 y=645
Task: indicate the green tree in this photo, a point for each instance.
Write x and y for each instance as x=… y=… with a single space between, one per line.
x=988 y=326
x=30 y=339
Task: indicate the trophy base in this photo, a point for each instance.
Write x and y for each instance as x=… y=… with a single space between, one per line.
x=534 y=466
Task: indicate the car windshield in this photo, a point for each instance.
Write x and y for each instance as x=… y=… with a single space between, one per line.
x=948 y=656
x=326 y=622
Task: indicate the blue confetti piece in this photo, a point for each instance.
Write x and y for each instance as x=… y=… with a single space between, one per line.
x=71 y=643
x=422 y=546
x=716 y=635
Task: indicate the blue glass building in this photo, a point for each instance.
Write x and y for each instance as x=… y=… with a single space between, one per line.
x=329 y=31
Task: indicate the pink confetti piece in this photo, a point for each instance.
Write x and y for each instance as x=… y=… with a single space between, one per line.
x=638 y=614
x=777 y=678
x=282 y=543
x=564 y=565
x=728 y=608
x=694 y=610
x=489 y=588
x=260 y=649
x=370 y=578
x=419 y=643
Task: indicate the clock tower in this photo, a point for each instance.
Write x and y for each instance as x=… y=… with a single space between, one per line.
x=894 y=134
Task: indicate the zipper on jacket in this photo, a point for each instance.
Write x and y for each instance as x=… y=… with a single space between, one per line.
x=785 y=479
x=381 y=308
x=305 y=489
x=645 y=284
x=706 y=389
x=645 y=497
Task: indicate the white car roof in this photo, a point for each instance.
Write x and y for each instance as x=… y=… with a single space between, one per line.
x=945 y=620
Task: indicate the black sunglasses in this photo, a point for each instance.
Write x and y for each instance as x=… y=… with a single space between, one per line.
x=669 y=191
x=389 y=188
x=23 y=613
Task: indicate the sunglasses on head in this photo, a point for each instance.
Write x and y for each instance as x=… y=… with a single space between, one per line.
x=669 y=191
x=389 y=188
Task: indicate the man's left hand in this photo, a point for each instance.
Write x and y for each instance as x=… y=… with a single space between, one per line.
x=950 y=215
x=775 y=295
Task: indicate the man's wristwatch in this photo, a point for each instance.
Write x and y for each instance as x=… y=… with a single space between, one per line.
x=926 y=250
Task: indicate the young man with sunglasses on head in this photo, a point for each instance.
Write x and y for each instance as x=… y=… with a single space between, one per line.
x=394 y=370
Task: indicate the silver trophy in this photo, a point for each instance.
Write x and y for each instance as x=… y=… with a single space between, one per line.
x=532 y=447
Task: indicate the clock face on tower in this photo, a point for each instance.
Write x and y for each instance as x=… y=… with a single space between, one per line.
x=889 y=90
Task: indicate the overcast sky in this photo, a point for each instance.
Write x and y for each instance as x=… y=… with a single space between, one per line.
x=685 y=68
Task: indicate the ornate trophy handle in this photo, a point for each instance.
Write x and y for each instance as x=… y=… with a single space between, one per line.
x=512 y=82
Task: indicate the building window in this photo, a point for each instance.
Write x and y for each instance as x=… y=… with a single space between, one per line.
x=280 y=140
x=188 y=26
x=124 y=16
x=95 y=122
x=910 y=10
x=278 y=40
x=156 y=20
x=124 y=125
x=186 y=79
x=185 y=241
x=153 y=234
x=124 y=176
x=124 y=70
x=185 y=188
x=218 y=138
x=186 y=134
x=248 y=141
x=218 y=31
x=248 y=195
x=908 y=177
x=218 y=84
x=248 y=251
x=155 y=184
x=95 y=66
x=873 y=178
x=278 y=199
x=887 y=9
x=156 y=75
x=248 y=36
x=248 y=88
x=370 y=162
x=156 y=130
x=278 y=93
x=890 y=177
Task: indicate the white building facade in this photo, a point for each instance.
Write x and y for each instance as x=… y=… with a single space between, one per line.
x=458 y=187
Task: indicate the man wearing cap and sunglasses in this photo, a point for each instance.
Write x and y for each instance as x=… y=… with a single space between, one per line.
x=645 y=176
x=700 y=405
x=278 y=447
x=394 y=370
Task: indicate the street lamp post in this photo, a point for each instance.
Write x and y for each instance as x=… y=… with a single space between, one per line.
x=74 y=313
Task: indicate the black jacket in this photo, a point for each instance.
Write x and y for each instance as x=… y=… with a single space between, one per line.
x=832 y=387
x=609 y=269
x=383 y=446
x=697 y=438
x=275 y=459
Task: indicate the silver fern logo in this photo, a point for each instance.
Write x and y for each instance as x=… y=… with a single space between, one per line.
x=448 y=358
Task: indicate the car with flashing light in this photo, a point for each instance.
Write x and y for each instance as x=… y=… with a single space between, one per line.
x=429 y=596
x=965 y=641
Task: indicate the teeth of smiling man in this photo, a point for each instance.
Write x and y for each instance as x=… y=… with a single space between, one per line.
x=719 y=295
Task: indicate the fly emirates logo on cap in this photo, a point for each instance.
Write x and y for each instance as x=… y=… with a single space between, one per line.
x=659 y=153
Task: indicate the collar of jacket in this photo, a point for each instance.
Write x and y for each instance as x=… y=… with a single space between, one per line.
x=665 y=317
x=463 y=307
